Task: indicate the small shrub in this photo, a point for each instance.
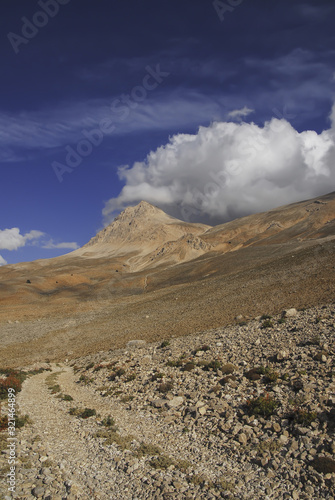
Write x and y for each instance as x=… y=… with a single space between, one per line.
x=54 y=388
x=228 y=378
x=98 y=368
x=74 y=411
x=165 y=387
x=87 y=412
x=324 y=465
x=265 y=316
x=3 y=422
x=205 y=348
x=108 y=421
x=161 y=462
x=131 y=377
x=267 y=324
x=227 y=369
x=14 y=379
x=112 y=437
x=263 y=405
x=147 y=449
x=157 y=376
x=164 y=462
x=303 y=417
x=174 y=364
x=89 y=366
x=118 y=373
x=21 y=420
x=165 y=343
x=271 y=377
x=255 y=373
x=272 y=446
x=67 y=397
x=84 y=379
x=188 y=366
x=281 y=321
x=213 y=365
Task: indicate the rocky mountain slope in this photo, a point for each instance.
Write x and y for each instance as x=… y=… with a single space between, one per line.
x=153 y=274
x=241 y=412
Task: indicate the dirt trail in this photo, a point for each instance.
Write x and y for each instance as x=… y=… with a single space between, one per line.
x=79 y=467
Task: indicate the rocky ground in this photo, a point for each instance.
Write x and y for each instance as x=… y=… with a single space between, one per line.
x=241 y=412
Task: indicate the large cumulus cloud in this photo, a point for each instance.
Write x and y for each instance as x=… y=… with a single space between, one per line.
x=230 y=169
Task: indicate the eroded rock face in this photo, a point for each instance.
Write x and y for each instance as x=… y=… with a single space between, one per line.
x=250 y=438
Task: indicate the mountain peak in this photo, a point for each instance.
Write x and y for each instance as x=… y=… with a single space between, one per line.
x=143 y=209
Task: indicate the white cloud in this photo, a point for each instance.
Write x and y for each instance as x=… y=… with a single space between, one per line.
x=229 y=169
x=3 y=262
x=240 y=113
x=12 y=239
x=50 y=245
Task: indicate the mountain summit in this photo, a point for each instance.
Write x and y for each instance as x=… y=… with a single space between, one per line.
x=147 y=235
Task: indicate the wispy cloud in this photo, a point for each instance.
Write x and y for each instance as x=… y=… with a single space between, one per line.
x=238 y=114
x=51 y=245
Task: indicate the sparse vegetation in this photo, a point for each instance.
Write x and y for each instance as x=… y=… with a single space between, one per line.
x=271 y=445
x=147 y=449
x=213 y=365
x=12 y=379
x=117 y=373
x=109 y=422
x=189 y=366
x=267 y=324
x=263 y=405
x=302 y=416
x=165 y=343
x=227 y=369
x=324 y=465
x=165 y=387
x=164 y=462
x=66 y=397
x=82 y=413
x=112 y=437
x=265 y=317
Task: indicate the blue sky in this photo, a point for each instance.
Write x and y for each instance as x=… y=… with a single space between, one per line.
x=210 y=110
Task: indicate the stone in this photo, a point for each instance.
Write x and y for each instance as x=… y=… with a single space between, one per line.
x=159 y=403
x=290 y=313
x=38 y=492
x=242 y=438
x=175 y=402
x=281 y=355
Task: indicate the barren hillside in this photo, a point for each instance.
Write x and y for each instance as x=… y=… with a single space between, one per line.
x=148 y=275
